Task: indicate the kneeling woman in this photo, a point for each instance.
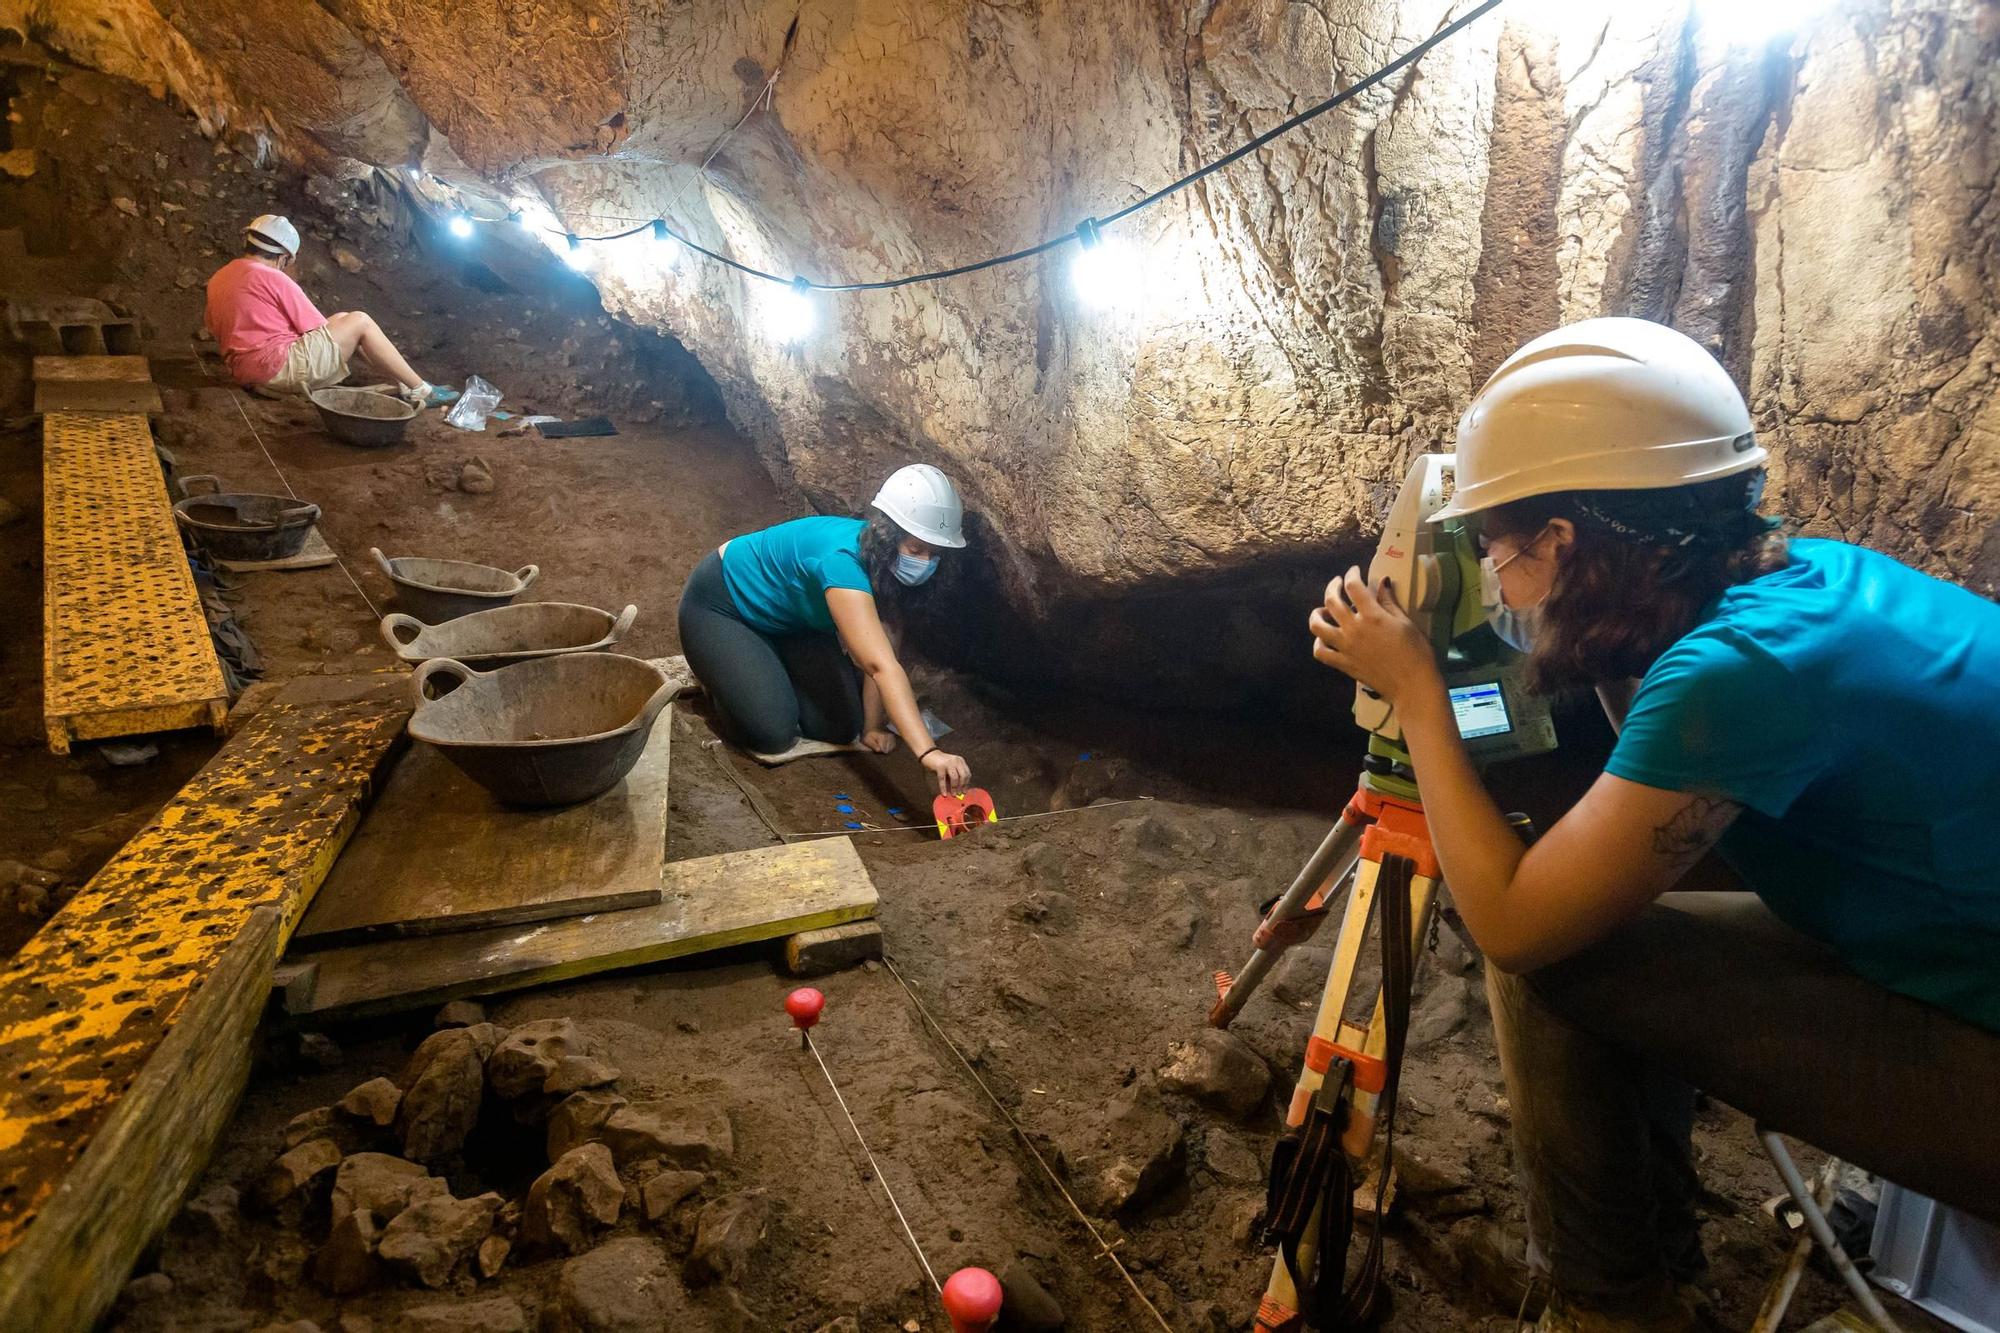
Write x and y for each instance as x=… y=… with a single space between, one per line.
x=1822 y=714
x=784 y=627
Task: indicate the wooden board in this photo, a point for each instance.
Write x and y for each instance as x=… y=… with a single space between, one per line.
x=95 y=384
x=315 y=554
x=437 y=854
x=70 y=1266
x=88 y=1001
x=711 y=903
x=121 y=369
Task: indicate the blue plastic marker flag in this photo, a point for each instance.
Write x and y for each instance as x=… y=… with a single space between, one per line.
x=844 y=808
x=850 y=824
x=896 y=810
x=1085 y=757
x=842 y=796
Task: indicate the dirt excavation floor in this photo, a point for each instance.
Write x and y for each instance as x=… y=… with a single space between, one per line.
x=714 y=1182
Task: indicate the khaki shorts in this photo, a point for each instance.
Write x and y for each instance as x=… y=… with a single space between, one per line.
x=313 y=363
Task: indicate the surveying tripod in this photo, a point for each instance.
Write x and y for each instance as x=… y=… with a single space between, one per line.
x=1380 y=851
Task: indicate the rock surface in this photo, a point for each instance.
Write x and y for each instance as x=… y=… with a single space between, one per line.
x=550 y=1056
x=443 y=1085
x=1219 y=1070
x=1122 y=1155
x=622 y=1286
x=727 y=1234
x=1822 y=218
x=573 y=1200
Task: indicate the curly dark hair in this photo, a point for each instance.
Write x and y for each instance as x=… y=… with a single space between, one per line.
x=881 y=541
x=1643 y=569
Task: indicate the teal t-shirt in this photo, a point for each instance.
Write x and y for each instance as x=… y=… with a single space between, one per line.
x=1851 y=705
x=779 y=577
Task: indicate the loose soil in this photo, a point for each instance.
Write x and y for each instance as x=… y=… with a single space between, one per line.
x=1060 y=955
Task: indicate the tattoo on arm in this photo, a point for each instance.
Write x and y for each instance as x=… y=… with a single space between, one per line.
x=1693 y=829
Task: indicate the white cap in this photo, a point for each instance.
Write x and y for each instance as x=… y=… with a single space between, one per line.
x=1609 y=404
x=273 y=235
x=923 y=503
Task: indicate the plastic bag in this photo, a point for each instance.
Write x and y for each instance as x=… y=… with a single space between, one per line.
x=472 y=407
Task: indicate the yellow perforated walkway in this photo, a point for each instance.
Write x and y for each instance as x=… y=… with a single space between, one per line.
x=126 y=648
x=87 y=1003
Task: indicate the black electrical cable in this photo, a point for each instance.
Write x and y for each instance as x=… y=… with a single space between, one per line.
x=1235 y=155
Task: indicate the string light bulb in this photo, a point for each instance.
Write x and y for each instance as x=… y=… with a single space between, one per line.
x=1733 y=23
x=666 y=249
x=573 y=252
x=789 y=311
x=460 y=226
x=1105 y=272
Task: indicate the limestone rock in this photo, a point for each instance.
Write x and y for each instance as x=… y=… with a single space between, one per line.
x=431 y=1236
x=380 y=1185
x=579 y=1118
x=373 y=1102
x=663 y=1192
x=297 y=1170
x=1442 y=1008
x=726 y=1234
x=443 y=1085
x=1123 y=1156
x=475 y=477
x=492 y=1256
x=572 y=1200
x=148 y=1287
x=1218 y=1069
x=459 y=1014
x=346 y=258
x=213 y=1214
x=493 y=1314
x=1027 y=1306
x=1300 y=976
x=622 y=1286
x=675 y=1132
x=1231 y=1159
x=551 y=1056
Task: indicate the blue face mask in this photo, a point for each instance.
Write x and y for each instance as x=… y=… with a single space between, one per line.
x=1517 y=629
x=914 y=569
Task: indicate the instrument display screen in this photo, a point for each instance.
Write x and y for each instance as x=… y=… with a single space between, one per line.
x=1480 y=710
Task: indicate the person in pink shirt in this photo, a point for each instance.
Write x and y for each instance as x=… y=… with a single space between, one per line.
x=273 y=337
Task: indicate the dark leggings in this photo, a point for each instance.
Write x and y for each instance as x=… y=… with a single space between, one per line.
x=768 y=690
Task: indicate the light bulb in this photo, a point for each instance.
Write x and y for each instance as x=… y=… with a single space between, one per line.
x=415 y=173
x=666 y=250
x=1104 y=271
x=1737 y=23
x=789 y=311
x=574 y=253
x=461 y=226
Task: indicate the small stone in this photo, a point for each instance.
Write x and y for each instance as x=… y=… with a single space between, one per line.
x=1047 y=910
x=150 y=1287
x=319 y=1049
x=431 y=1236
x=1231 y=1159
x=492 y=1255
x=1442 y=1008
x=443 y=1086
x=298 y=1170
x=1300 y=977
x=579 y=1119
x=623 y=1286
x=847 y=1323
x=380 y=1185
x=212 y=1214
x=661 y=1193
x=320 y=1123
x=727 y=1232
x=347 y=1263
x=551 y=1056
x=125 y=206
x=373 y=1103
x=572 y=1200
x=1218 y=1069
x=475 y=478
x=347 y=259
x=676 y=1133
x=1028 y=1307
x=283 y=1259
x=1126 y=1156
x=495 y=1314
x=460 y=1014
x=1044 y=864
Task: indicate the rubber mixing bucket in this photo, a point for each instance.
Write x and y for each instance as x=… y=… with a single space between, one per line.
x=363 y=417
x=507 y=633
x=552 y=731
x=240 y=525
x=435 y=591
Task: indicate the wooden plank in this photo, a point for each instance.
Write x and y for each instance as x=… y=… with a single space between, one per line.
x=122 y=369
x=711 y=903
x=70 y=1265
x=438 y=854
x=126 y=648
x=89 y=999
x=98 y=396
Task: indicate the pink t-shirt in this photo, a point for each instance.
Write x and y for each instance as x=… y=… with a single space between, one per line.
x=256 y=313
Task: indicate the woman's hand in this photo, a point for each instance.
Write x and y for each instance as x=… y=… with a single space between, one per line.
x=879 y=740
x=952 y=773
x=1367 y=635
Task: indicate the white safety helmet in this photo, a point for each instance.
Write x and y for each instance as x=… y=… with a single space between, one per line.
x=1609 y=404
x=273 y=235
x=923 y=503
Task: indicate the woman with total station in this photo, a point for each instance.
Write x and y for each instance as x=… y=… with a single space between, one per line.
x=1825 y=717
x=784 y=627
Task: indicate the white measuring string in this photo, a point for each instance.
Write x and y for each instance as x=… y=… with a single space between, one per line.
x=286 y=483
x=1021 y=1134
x=873 y=1165
x=927 y=828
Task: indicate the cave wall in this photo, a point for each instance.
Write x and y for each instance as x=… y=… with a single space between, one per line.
x=1818 y=210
